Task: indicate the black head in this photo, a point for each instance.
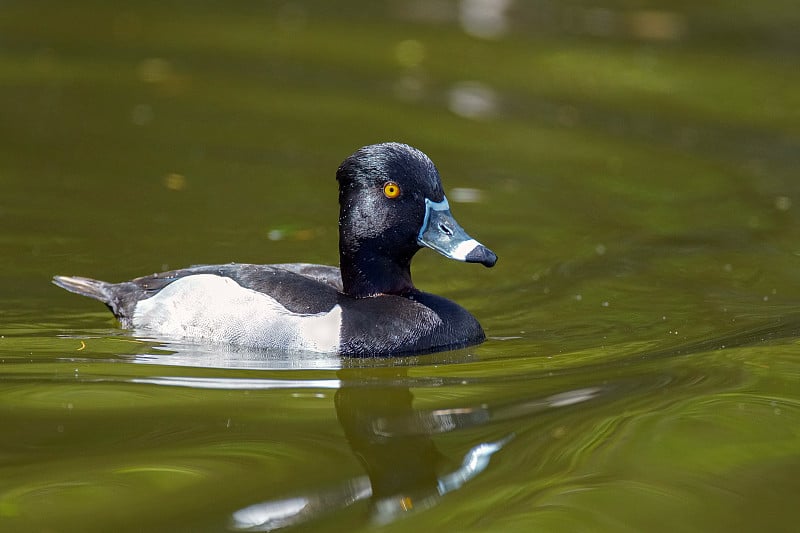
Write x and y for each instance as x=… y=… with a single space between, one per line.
x=391 y=204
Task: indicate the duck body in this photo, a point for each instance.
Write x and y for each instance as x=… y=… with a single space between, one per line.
x=391 y=205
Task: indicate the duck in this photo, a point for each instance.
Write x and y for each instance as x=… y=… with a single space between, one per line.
x=391 y=205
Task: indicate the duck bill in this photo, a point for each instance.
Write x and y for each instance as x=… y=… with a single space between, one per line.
x=441 y=232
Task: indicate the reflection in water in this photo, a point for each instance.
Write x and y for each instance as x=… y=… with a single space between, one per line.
x=238 y=383
x=465 y=195
x=268 y=516
x=472 y=99
x=271 y=515
x=395 y=443
x=392 y=440
x=486 y=19
x=228 y=356
x=169 y=352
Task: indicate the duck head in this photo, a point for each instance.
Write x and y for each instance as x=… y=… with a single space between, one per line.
x=391 y=204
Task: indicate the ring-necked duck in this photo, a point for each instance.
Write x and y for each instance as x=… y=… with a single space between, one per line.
x=391 y=204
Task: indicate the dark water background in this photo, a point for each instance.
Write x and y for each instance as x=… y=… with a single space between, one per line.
x=633 y=164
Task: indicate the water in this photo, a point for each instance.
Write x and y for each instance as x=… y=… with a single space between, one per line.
x=634 y=169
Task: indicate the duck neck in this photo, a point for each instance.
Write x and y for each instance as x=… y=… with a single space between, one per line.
x=366 y=273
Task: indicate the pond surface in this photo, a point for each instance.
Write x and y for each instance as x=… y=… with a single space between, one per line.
x=635 y=169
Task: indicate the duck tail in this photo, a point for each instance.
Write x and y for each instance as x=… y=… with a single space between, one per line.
x=99 y=290
x=120 y=298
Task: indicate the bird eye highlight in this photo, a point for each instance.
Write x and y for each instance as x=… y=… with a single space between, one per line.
x=391 y=189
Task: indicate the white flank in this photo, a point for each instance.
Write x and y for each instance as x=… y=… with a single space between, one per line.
x=218 y=309
x=462 y=250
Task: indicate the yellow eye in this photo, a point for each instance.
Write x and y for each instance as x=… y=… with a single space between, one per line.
x=391 y=189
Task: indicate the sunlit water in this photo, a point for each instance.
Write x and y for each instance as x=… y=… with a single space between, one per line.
x=634 y=169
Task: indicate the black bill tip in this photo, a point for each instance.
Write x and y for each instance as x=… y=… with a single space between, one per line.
x=483 y=255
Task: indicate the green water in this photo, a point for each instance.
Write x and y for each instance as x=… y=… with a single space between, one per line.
x=633 y=165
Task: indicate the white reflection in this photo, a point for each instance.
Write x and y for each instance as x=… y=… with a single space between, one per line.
x=465 y=195
x=272 y=515
x=486 y=19
x=475 y=461
x=572 y=397
x=239 y=357
x=239 y=383
x=472 y=99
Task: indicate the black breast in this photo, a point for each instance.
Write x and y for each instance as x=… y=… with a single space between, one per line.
x=398 y=325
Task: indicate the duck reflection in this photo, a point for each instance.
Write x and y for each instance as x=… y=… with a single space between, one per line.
x=392 y=440
x=395 y=441
x=405 y=472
